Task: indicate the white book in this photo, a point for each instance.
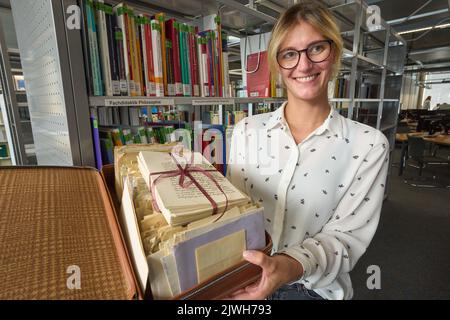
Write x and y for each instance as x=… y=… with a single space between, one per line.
x=150 y=85
x=144 y=57
x=200 y=66
x=122 y=24
x=157 y=58
x=104 y=50
x=205 y=85
x=226 y=75
x=134 y=116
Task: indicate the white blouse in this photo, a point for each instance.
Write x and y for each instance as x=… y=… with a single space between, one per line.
x=322 y=198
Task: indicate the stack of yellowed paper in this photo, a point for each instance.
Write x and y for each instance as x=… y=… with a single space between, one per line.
x=125 y=160
x=176 y=258
x=180 y=204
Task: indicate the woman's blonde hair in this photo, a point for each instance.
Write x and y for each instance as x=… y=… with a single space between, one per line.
x=318 y=16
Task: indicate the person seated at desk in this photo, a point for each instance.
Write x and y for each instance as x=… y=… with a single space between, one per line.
x=427 y=103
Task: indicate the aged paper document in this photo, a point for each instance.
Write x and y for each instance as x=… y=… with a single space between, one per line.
x=219 y=255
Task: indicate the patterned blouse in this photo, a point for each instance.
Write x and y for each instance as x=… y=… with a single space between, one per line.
x=322 y=198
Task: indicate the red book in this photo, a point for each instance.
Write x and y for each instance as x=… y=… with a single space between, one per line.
x=191 y=59
x=210 y=60
x=204 y=60
x=220 y=62
x=194 y=62
x=258 y=82
x=172 y=33
x=212 y=151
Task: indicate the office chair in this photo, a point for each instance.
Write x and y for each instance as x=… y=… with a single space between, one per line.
x=417 y=152
x=402 y=127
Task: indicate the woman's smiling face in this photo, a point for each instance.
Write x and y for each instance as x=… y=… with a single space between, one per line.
x=308 y=81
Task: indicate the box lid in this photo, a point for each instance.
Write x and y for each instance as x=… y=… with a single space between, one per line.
x=59 y=236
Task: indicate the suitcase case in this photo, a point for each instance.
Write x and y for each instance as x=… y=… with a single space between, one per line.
x=61 y=222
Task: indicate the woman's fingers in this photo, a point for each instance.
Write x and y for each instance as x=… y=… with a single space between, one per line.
x=256 y=257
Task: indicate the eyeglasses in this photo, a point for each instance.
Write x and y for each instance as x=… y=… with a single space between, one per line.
x=316 y=52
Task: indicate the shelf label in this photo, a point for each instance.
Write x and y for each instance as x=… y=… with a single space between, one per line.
x=203 y=102
x=126 y=102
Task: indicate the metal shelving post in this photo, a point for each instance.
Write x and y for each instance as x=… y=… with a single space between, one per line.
x=11 y=116
x=383 y=76
x=53 y=68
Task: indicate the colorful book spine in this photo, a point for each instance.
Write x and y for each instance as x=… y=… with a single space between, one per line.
x=112 y=45
x=194 y=62
x=131 y=53
x=172 y=34
x=118 y=36
x=188 y=60
x=225 y=69
x=220 y=75
x=122 y=34
x=210 y=63
x=107 y=149
x=135 y=55
x=87 y=49
x=157 y=58
x=104 y=47
x=184 y=57
x=216 y=64
x=93 y=49
x=170 y=68
x=203 y=66
x=160 y=18
x=149 y=53
x=147 y=56
x=97 y=147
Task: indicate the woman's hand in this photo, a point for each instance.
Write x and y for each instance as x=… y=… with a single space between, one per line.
x=276 y=271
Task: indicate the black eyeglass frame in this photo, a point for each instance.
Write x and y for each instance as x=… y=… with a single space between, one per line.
x=329 y=41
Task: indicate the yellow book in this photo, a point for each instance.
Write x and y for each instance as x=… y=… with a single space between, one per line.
x=131 y=49
x=135 y=57
x=160 y=17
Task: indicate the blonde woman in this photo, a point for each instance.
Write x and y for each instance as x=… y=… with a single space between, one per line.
x=320 y=176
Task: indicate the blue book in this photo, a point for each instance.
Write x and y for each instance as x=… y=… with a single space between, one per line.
x=97 y=147
x=93 y=49
x=219 y=141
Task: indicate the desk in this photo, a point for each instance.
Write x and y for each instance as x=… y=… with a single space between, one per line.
x=443 y=140
x=403 y=138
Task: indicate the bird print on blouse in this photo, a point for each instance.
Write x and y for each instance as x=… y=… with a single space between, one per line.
x=321 y=197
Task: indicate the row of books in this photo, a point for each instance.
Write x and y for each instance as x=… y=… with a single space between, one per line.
x=114 y=116
x=213 y=143
x=364 y=90
x=137 y=116
x=134 y=54
x=342 y=87
x=116 y=137
x=231 y=117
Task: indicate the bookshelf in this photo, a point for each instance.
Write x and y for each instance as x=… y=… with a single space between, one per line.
x=12 y=102
x=373 y=62
x=374 y=58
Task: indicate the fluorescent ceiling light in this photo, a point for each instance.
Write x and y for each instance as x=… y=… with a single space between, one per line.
x=442 y=26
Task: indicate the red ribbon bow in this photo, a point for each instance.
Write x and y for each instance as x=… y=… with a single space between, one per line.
x=183 y=173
